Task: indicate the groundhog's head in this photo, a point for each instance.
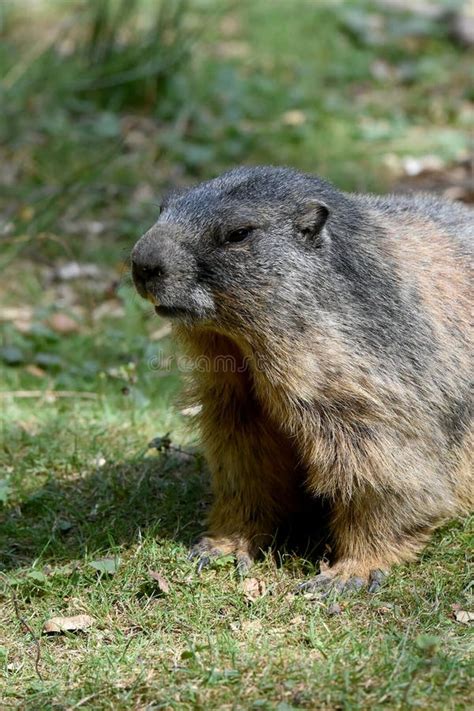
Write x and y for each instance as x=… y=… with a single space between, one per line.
x=253 y=241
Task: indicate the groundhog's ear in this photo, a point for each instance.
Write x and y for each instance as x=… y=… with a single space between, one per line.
x=310 y=221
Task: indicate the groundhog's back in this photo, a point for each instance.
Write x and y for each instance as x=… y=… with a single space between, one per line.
x=430 y=245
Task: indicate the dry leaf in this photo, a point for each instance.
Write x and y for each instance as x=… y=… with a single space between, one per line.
x=107 y=566
x=20 y=316
x=59 y=625
x=62 y=323
x=253 y=589
x=295 y=117
x=75 y=270
x=162 y=582
x=464 y=616
x=35 y=370
x=111 y=308
x=249 y=626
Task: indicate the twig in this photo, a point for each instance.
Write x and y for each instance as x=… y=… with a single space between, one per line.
x=163 y=445
x=25 y=624
x=180 y=450
x=47 y=394
x=83 y=701
x=129 y=642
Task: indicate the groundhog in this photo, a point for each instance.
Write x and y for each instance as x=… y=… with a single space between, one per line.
x=332 y=333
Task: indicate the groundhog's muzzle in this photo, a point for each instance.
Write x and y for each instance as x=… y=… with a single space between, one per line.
x=163 y=271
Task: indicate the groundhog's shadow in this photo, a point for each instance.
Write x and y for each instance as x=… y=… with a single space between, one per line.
x=165 y=497
x=304 y=534
x=114 y=505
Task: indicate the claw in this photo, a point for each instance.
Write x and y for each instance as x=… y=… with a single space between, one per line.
x=204 y=561
x=327 y=584
x=353 y=584
x=375 y=580
x=316 y=584
x=197 y=550
x=206 y=550
x=243 y=564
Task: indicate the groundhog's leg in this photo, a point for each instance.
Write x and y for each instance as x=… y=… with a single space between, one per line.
x=370 y=534
x=253 y=480
x=252 y=464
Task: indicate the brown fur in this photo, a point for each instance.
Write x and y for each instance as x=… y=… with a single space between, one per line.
x=258 y=455
x=260 y=445
x=312 y=409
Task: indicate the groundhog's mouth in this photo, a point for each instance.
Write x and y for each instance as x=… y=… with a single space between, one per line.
x=171 y=311
x=162 y=310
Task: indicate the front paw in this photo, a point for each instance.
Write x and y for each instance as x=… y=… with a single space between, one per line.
x=211 y=548
x=331 y=582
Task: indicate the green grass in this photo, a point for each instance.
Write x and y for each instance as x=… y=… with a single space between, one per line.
x=105 y=107
x=80 y=484
x=82 y=489
x=83 y=163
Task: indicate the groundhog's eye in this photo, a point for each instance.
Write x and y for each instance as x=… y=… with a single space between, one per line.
x=239 y=235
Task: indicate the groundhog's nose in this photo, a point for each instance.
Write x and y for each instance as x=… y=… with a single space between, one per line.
x=144 y=271
x=147 y=262
x=160 y=264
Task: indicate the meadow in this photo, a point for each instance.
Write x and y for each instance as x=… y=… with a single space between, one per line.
x=105 y=106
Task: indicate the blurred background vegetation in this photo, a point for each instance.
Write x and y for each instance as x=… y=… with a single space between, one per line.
x=108 y=103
